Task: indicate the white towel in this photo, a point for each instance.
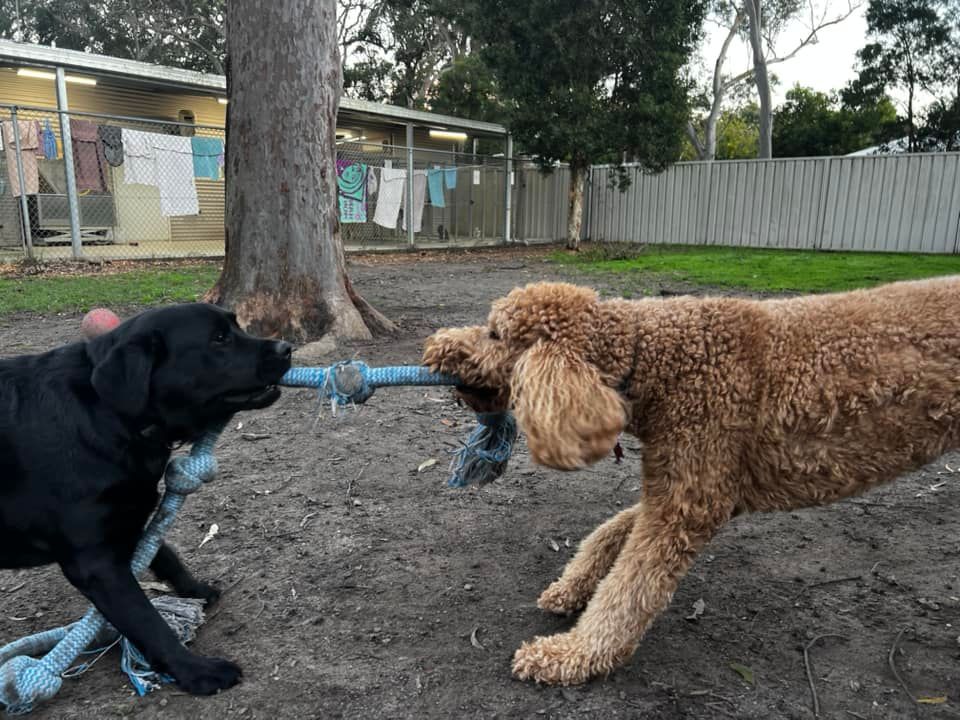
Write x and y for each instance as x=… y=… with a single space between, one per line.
x=419 y=196
x=139 y=158
x=178 y=191
x=392 y=185
x=166 y=163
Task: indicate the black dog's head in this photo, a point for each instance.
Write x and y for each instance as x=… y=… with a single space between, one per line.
x=184 y=367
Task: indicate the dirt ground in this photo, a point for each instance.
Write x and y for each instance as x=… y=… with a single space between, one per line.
x=354 y=584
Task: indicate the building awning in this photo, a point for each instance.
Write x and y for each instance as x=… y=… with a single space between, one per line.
x=159 y=77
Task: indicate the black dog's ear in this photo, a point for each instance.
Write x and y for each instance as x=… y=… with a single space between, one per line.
x=121 y=373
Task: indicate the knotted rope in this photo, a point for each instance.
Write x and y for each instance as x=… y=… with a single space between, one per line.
x=26 y=680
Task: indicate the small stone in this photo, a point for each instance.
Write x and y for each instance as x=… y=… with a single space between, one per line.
x=467 y=586
x=163 y=702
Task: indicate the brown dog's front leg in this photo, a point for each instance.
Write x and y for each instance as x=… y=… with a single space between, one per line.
x=595 y=556
x=657 y=553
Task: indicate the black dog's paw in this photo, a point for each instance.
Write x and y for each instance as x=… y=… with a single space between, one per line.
x=206 y=592
x=200 y=590
x=206 y=676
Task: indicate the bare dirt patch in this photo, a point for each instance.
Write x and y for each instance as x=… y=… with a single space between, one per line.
x=354 y=584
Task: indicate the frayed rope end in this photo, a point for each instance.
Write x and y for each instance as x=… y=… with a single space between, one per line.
x=485 y=455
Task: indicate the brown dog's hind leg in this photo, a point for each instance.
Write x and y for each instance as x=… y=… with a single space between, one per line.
x=593 y=560
x=657 y=553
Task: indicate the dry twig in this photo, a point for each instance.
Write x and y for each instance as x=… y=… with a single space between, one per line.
x=806 y=665
x=893 y=664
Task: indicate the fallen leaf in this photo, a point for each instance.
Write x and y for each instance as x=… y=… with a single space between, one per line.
x=698 y=607
x=553 y=544
x=743 y=671
x=426 y=464
x=211 y=534
x=448 y=423
x=473 y=639
x=150 y=585
x=939 y=700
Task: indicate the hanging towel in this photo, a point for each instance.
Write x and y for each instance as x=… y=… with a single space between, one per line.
x=178 y=191
x=139 y=158
x=49 y=141
x=419 y=196
x=393 y=183
x=206 y=154
x=435 y=185
x=112 y=140
x=450 y=176
x=352 y=188
x=89 y=164
x=30 y=149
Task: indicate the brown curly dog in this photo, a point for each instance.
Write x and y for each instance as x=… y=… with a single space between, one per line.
x=741 y=406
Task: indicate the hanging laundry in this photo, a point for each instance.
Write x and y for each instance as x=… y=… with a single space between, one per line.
x=174 y=173
x=393 y=183
x=206 y=154
x=89 y=164
x=48 y=141
x=139 y=158
x=111 y=137
x=435 y=185
x=353 y=185
x=450 y=177
x=419 y=196
x=30 y=150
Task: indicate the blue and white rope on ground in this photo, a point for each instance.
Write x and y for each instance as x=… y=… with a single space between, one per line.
x=26 y=680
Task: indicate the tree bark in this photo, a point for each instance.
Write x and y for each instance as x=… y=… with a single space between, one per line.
x=284 y=273
x=578 y=177
x=762 y=76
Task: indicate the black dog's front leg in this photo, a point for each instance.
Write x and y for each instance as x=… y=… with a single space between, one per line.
x=169 y=568
x=110 y=585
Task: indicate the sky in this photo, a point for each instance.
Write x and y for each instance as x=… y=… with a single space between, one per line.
x=827 y=65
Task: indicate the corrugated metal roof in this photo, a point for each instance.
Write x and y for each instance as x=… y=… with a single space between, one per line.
x=26 y=54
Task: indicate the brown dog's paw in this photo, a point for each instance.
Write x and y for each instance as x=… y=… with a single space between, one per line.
x=564 y=659
x=563 y=598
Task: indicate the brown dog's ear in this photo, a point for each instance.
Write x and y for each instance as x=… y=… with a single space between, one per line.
x=570 y=416
x=121 y=375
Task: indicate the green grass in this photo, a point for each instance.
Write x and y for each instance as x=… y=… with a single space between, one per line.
x=148 y=286
x=761 y=270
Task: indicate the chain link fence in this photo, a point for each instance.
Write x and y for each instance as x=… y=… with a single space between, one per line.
x=150 y=189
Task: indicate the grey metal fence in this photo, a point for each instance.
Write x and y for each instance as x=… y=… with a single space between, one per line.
x=890 y=203
x=152 y=189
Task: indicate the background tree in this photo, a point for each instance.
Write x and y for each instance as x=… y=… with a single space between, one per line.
x=811 y=123
x=284 y=272
x=589 y=81
x=909 y=51
x=720 y=85
x=180 y=33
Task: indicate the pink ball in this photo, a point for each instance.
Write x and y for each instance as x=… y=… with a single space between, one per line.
x=97 y=322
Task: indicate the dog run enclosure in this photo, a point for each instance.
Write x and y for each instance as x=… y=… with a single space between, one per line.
x=111 y=158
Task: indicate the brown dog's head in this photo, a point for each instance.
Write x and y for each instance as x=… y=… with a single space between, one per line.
x=535 y=355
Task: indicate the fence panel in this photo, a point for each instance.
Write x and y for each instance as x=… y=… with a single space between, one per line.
x=890 y=203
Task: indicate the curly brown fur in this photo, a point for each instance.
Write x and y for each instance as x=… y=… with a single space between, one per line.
x=740 y=405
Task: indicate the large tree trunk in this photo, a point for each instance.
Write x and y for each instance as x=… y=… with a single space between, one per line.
x=762 y=76
x=284 y=273
x=578 y=178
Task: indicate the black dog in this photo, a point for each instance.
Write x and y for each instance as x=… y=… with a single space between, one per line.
x=85 y=434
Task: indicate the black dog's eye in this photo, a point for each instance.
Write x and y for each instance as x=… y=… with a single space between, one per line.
x=221 y=337
x=494 y=335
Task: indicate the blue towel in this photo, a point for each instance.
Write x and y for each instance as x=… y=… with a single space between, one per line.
x=435 y=185
x=49 y=141
x=450 y=175
x=206 y=154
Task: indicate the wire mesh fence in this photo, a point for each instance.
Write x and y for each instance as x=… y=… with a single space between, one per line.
x=148 y=189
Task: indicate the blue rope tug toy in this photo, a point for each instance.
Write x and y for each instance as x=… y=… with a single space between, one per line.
x=26 y=680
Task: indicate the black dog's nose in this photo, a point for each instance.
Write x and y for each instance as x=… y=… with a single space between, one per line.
x=283 y=349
